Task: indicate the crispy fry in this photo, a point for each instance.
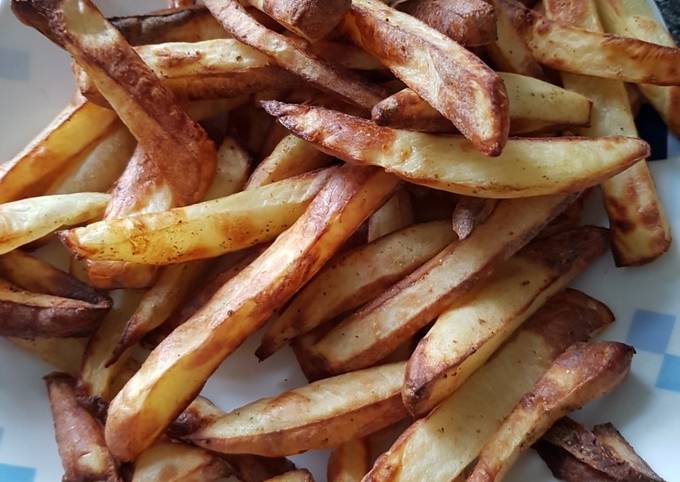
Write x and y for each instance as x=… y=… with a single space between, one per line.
x=579 y=51
x=582 y=373
x=440 y=446
x=176 y=462
x=527 y=167
x=288 y=55
x=634 y=18
x=459 y=343
x=349 y=462
x=177 y=369
x=233 y=166
x=323 y=414
x=293 y=476
x=346 y=55
x=470 y=23
x=532 y=102
x=65 y=354
x=226 y=224
x=469 y=213
x=640 y=231
x=310 y=19
x=290 y=157
x=370 y=334
x=253 y=468
x=354 y=278
x=447 y=76
x=395 y=214
x=79 y=435
x=75 y=129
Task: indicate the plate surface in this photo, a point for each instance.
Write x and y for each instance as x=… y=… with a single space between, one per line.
x=35 y=84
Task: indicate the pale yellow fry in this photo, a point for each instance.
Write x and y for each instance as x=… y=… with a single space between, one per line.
x=395 y=214
x=177 y=462
x=233 y=166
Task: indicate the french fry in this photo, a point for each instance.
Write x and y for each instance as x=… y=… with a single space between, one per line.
x=395 y=214
x=288 y=55
x=291 y=156
x=346 y=55
x=33 y=218
x=176 y=462
x=354 y=278
x=233 y=167
x=310 y=19
x=527 y=167
x=374 y=331
x=470 y=23
x=349 y=462
x=584 y=372
x=65 y=354
x=469 y=213
x=75 y=129
x=579 y=51
x=293 y=476
x=448 y=77
x=79 y=435
x=177 y=369
x=226 y=224
x=181 y=3
x=323 y=414
x=531 y=102
x=633 y=18
x=640 y=230
x=459 y=343
x=440 y=446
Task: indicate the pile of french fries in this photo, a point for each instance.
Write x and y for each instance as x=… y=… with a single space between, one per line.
x=340 y=171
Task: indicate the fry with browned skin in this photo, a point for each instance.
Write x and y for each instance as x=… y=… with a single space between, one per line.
x=349 y=462
x=395 y=214
x=640 y=230
x=440 y=446
x=584 y=372
x=469 y=213
x=80 y=437
x=176 y=370
x=451 y=79
x=527 y=167
x=293 y=476
x=177 y=462
x=287 y=54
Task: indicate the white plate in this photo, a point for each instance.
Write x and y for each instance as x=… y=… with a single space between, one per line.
x=35 y=83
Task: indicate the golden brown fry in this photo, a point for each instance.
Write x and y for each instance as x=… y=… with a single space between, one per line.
x=527 y=167
x=176 y=462
x=635 y=18
x=176 y=370
x=354 y=278
x=459 y=342
x=470 y=22
x=323 y=414
x=579 y=51
x=310 y=19
x=469 y=213
x=349 y=462
x=75 y=129
x=79 y=435
x=440 y=446
x=346 y=55
x=254 y=468
x=288 y=55
x=370 y=334
x=65 y=354
x=640 y=230
x=451 y=79
x=290 y=157
x=584 y=372
x=533 y=104
x=201 y=230
x=395 y=214
x=293 y=476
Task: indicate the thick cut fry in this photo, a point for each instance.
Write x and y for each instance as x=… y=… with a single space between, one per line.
x=289 y=55
x=579 y=51
x=355 y=278
x=346 y=55
x=290 y=157
x=233 y=167
x=201 y=230
x=527 y=167
x=395 y=214
x=349 y=462
x=310 y=19
x=451 y=79
x=293 y=476
x=584 y=372
x=465 y=336
x=469 y=213
x=635 y=18
x=370 y=334
x=470 y=22
x=177 y=369
x=65 y=354
x=75 y=129
x=323 y=414
x=440 y=446
x=30 y=219
x=176 y=462
x=79 y=435
x=531 y=102
x=640 y=231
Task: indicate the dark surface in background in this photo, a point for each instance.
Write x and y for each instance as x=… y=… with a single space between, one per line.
x=671 y=12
